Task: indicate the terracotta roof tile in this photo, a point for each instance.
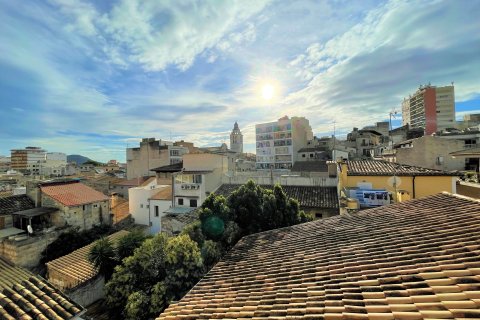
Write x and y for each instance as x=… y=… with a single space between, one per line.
x=307 y=196
x=76 y=266
x=132 y=182
x=24 y=296
x=120 y=212
x=16 y=203
x=73 y=194
x=382 y=168
x=414 y=260
x=164 y=194
x=310 y=166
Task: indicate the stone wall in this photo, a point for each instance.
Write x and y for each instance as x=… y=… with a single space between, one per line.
x=84 y=216
x=89 y=292
x=26 y=253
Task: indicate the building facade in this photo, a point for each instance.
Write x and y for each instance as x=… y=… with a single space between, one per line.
x=151 y=154
x=431 y=108
x=236 y=139
x=278 y=142
x=27 y=160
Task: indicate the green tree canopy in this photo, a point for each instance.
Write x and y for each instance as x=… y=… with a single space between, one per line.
x=102 y=255
x=161 y=269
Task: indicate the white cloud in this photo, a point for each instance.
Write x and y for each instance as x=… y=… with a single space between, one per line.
x=157 y=34
x=359 y=76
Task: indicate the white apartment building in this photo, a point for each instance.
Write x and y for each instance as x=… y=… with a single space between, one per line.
x=148 y=203
x=202 y=174
x=278 y=142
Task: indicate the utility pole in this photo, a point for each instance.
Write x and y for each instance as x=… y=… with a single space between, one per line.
x=333 y=151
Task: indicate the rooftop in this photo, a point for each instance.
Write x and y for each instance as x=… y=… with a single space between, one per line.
x=413 y=260
x=385 y=168
x=132 y=182
x=24 y=296
x=471 y=153
x=307 y=196
x=9 y=205
x=165 y=193
x=310 y=166
x=169 y=168
x=73 y=194
x=76 y=266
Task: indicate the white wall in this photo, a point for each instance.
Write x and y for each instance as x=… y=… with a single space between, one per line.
x=139 y=203
x=163 y=205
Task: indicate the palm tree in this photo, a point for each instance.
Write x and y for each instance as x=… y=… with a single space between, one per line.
x=103 y=257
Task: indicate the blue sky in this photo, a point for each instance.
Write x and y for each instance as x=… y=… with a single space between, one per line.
x=93 y=77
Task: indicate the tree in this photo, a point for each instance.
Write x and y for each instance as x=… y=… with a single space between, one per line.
x=161 y=269
x=127 y=244
x=102 y=255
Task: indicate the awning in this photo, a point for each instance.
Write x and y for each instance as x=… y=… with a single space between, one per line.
x=179 y=210
x=35 y=212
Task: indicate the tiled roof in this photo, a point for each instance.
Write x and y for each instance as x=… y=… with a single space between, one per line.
x=76 y=266
x=4 y=194
x=132 y=182
x=307 y=196
x=73 y=194
x=310 y=166
x=16 y=203
x=413 y=260
x=169 y=168
x=24 y=296
x=120 y=211
x=165 y=193
x=384 y=168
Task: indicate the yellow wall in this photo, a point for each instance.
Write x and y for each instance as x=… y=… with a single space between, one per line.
x=424 y=185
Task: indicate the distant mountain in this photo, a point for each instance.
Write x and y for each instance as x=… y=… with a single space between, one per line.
x=77 y=158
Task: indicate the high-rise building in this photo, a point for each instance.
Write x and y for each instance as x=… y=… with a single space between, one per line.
x=278 y=142
x=431 y=108
x=27 y=160
x=236 y=139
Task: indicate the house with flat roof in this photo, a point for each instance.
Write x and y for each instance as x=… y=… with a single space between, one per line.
x=413 y=260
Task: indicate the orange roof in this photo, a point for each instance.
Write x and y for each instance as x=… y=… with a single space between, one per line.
x=164 y=194
x=120 y=212
x=73 y=194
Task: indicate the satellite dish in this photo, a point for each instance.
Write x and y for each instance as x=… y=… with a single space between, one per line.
x=394 y=181
x=29 y=229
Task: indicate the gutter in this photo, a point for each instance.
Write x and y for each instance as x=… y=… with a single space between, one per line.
x=413 y=186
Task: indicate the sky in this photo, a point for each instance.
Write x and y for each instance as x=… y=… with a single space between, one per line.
x=94 y=77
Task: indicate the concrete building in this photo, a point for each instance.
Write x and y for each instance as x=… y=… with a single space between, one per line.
x=27 y=160
x=152 y=154
x=278 y=142
x=367 y=143
x=202 y=174
x=430 y=152
x=236 y=139
x=431 y=108
x=5 y=163
x=470 y=139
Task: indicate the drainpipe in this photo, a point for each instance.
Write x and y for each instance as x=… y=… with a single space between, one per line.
x=413 y=186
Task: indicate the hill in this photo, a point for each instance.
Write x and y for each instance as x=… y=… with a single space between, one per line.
x=77 y=159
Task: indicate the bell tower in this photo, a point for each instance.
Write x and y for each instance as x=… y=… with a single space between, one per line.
x=236 y=139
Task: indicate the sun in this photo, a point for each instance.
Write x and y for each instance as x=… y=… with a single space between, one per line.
x=268 y=92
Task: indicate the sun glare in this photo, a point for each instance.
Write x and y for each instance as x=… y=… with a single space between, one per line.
x=268 y=91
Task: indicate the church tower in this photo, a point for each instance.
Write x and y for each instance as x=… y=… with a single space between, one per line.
x=236 y=139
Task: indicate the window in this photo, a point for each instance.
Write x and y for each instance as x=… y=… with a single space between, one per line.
x=83 y=207
x=303 y=155
x=197 y=178
x=141 y=205
x=156 y=211
x=180 y=202
x=193 y=203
